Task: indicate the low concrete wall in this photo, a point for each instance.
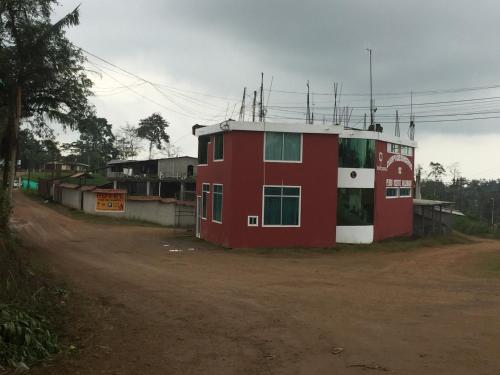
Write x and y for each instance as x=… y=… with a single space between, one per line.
x=151 y=209
x=71 y=198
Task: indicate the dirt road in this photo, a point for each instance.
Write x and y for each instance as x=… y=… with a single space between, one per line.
x=209 y=311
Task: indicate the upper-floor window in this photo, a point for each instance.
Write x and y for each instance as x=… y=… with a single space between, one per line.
x=283 y=146
x=406 y=150
x=203 y=149
x=219 y=146
x=356 y=153
x=393 y=148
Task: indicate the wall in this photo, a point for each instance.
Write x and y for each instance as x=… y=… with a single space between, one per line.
x=71 y=198
x=393 y=216
x=243 y=162
x=176 y=167
x=153 y=211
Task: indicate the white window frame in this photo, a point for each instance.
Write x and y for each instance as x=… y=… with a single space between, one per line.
x=222 y=202
x=205 y=164
x=213 y=148
x=410 y=150
x=256 y=217
x=300 y=206
x=392 y=197
x=404 y=196
x=389 y=148
x=208 y=197
x=284 y=161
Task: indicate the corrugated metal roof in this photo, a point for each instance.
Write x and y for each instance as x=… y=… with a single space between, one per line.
x=69 y=186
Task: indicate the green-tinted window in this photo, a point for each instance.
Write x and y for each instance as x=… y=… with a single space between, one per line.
x=404 y=192
x=356 y=153
x=203 y=149
x=391 y=192
x=282 y=146
x=217 y=203
x=219 y=146
x=355 y=207
x=281 y=205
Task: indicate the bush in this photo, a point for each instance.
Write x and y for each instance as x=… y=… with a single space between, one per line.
x=468 y=225
x=24 y=339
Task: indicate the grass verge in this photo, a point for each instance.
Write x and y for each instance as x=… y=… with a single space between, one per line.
x=29 y=309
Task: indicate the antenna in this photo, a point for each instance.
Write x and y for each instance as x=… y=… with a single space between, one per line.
x=364 y=123
x=396 y=127
x=242 y=109
x=268 y=96
x=261 y=103
x=335 y=88
x=308 y=111
x=253 y=105
x=372 y=120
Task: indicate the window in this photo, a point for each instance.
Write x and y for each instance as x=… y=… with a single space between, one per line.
x=203 y=149
x=393 y=148
x=206 y=191
x=391 y=192
x=219 y=146
x=406 y=150
x=253 y=221
x=355 y=207
x=217 y=203
x=404 y=192
x=281 y=206
x=356 y=153
x=283 y=146
x=190 y=171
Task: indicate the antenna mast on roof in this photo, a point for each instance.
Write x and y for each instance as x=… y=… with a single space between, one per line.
x=308 y=110
x=364 y=123
x=396 y=127
x=261 y=103
x=253 y=105
x=372 y=120
x=411 y=129
x=242 y=109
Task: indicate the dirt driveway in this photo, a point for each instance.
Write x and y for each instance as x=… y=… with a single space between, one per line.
x=210 y=311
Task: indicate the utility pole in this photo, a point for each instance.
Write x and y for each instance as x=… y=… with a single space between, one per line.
x=242 y=109
x=492 y=212
x=371 y=91
x=396 y=127
x=253 y=105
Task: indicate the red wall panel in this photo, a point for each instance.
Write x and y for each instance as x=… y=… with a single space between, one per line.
x=393 y=216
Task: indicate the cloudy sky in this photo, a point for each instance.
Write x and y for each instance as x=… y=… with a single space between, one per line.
x=199 y=55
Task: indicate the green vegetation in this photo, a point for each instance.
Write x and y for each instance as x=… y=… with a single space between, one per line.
x=27 y=334
x=474 y=227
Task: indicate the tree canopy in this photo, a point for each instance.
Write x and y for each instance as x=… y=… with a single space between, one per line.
x=153 y=129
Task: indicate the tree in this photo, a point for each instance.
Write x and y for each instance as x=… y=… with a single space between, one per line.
x=153 y=129
x=95 y=146
x=127 y=142
x=437 y=171
x=41 y=72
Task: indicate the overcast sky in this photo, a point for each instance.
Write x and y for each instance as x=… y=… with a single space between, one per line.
x=200 y=55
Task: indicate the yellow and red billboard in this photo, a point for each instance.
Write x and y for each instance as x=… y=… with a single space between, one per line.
x=112 y=200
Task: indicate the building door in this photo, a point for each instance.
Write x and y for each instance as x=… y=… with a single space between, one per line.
x=198 y=215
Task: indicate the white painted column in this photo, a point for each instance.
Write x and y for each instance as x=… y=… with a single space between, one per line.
x=148 y=187
x=115 y=184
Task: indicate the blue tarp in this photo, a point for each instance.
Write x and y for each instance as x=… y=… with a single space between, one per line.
x=33 y=185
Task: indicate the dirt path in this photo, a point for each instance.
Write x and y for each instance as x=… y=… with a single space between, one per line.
x=208 y=311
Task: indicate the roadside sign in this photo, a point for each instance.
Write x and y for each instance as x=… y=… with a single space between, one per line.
x=114 y=202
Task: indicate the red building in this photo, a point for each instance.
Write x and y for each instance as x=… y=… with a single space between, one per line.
x=295 y=185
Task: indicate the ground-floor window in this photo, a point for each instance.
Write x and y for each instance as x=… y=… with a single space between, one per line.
x=391 y=192
x=204 y=202
x=404 y=192
x=217 y=203
x=281 y=206
x=355 y=207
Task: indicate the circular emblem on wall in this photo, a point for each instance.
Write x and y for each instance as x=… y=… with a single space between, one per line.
x=400 y=170
x=354 y=174
x=380 y=156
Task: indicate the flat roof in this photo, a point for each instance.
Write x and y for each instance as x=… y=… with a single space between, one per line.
x=118 y=161
x=429 y=202
x=301 y=128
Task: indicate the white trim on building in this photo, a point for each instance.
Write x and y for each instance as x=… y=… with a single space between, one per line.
x=354 y=234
